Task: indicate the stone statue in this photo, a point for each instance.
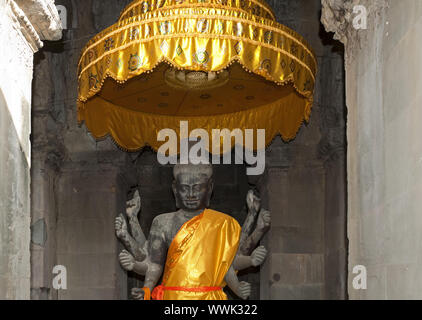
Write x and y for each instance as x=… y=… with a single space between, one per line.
x=192 y=187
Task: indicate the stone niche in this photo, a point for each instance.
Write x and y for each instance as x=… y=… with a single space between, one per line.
x=154 y=185
x=22 y=34
x=80 y=184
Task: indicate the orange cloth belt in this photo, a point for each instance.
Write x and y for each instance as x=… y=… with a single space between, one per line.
x=158 y=292
x=147 y=292
x=192 y=273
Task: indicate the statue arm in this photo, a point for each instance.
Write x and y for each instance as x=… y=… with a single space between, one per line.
x=128 y=241
x=242 y=262
x=246 y=230
x=137 y=232
x=253 y=204
x=251 y=242
x=241 y=289
x=157 y=251
x=262 y=227
x=133 y=207
x=134 y=247
x=152 y=274
x=257 y=257
x=140 y=267
x=128 y=262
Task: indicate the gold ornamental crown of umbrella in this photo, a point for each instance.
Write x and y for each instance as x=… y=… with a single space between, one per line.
x=214 y=63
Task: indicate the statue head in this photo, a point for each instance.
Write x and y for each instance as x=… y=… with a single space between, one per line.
x=192 y=186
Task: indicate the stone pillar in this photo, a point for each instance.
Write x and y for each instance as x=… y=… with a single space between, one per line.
x=332 y=153
x=299 y=179
x=47 y=158
x=23 y=26
x=295 y=266
x=335 y=220
x=384 y=170
x=89 y=200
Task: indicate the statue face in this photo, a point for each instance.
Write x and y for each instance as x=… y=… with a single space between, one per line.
x=192 y=191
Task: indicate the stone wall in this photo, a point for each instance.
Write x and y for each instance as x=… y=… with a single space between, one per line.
x=68 y=168
x=305 y=182
x=86 y=245
x=301 y=177
x=384 y=146
x=21 y=34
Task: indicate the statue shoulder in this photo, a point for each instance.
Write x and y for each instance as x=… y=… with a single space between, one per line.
x=164 y=218
x=216 y=215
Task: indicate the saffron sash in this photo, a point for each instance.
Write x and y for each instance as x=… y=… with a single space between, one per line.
x=199 y=257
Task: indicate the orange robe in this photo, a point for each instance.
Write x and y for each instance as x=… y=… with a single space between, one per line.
x=199 y=257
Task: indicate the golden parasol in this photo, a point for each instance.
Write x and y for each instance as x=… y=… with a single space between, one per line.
x=214 y=63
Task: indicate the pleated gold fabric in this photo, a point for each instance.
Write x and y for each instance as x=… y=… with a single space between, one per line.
x=122 y=91
x=200 y=256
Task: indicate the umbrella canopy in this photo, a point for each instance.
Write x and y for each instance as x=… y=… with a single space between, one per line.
x=214 y=63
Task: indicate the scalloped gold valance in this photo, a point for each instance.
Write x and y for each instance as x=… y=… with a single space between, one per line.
x=264 y=72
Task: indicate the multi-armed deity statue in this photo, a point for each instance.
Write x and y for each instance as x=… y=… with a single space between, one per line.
x=243 y=73
x=198 y=249
x=219 y=75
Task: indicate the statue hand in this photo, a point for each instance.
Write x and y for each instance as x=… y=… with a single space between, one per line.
x=120 y=226
x=245 y=290
x=137 y=293
x=127 y=261
x=264 y=220
x=249 y=199
x=253 y=201
x=258 y=256
x=134 y=205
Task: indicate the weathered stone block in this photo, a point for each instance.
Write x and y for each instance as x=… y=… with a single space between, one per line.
x=296 y=240
x=302 y=292
x=92 y=270
x=92 y=236
x=88 y=294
